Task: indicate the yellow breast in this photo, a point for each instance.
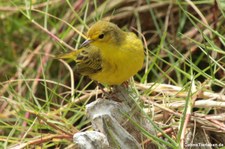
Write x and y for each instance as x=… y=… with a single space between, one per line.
x=120 y=62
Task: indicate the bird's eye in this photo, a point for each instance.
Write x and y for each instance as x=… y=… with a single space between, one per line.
x=101 y=36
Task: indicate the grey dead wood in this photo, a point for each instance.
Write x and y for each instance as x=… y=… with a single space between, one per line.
x=110 y=116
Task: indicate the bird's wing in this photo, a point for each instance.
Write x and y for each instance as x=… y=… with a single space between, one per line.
x=89 y=60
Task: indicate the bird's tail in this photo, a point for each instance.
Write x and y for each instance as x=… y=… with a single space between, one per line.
x=71 y=56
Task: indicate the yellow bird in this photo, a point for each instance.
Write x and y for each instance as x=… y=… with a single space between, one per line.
x=109 y=55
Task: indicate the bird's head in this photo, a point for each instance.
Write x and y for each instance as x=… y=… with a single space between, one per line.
x=104 y=32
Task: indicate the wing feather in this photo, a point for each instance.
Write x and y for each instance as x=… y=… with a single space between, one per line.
x=89 y=61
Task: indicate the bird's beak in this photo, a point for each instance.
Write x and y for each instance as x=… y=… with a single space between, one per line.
x=86 y=42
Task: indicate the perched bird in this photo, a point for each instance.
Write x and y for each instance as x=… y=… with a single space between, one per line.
x=109 y=55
